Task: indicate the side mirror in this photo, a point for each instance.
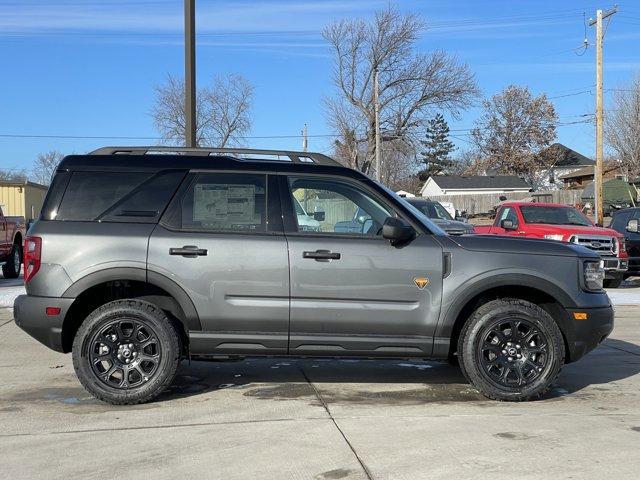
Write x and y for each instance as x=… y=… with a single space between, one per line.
x=397 y=231
x=507 y=224
x=632 y=226
x=319 y=216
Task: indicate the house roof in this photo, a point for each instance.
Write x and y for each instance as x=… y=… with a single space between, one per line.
x=567 y=157
x=588 y=171
x=7 y=183
x=463 y=182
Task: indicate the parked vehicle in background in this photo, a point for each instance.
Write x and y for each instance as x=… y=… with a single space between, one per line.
x=308 y=223
x=12 y=232
x=558 y=222
x=141 y=259
x=440 y=216
x=625 y=222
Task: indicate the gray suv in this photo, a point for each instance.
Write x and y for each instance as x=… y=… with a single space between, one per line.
x=143 y=257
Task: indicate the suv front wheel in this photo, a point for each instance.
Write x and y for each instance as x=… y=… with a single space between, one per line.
x=126 y=352
x=511 y=350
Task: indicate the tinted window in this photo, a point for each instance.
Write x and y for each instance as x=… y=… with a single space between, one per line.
x=89 y=194
x=554 y=215
x=332 y=206
x=54 y=195
x=221 y=202
x=433 y=210
x=146 y=203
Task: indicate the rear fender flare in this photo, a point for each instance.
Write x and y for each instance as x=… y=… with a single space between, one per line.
x=192 y=320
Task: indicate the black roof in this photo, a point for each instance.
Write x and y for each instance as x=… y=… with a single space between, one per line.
x=567 y=157
x=202 y=159
x=479 y=181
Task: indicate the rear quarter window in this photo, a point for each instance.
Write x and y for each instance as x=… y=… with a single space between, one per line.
x=117 y=196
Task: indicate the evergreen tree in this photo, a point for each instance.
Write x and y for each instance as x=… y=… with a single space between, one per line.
x=437 y=148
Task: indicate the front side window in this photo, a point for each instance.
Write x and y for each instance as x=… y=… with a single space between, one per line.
x=221 y=202
x=508 y=213
x=332 y=206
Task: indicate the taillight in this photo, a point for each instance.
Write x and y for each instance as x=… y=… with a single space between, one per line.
x=32 y=256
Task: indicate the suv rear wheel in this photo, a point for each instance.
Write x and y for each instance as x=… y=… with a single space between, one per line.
x=511 y=350
x=126 y=352
x=11 y=269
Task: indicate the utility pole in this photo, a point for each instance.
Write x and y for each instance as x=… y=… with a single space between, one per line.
x=376 y=103
x=597 y=174
x=190 y=72
x=304 y=138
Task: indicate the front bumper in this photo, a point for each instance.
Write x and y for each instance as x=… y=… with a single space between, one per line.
x=585 y=335
x=614 y=266
x=29 y=313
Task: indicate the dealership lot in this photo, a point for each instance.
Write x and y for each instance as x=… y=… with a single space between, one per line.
x=324 y=419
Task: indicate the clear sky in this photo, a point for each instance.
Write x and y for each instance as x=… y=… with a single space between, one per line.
x=83 y=68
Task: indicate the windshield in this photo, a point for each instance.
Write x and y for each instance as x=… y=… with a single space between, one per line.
x=419 y=216
x=434 y=210
x=554 y=216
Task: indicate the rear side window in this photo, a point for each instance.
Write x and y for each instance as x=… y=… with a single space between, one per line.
x=219 y=202
x=117 y=196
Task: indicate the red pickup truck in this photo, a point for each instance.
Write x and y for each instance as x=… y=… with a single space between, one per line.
x=566 y=224
x=12 y=232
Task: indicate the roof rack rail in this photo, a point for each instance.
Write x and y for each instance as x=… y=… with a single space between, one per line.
x=310 y=158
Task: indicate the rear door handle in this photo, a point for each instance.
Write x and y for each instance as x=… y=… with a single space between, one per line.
x=321 y=255
x=188 y=251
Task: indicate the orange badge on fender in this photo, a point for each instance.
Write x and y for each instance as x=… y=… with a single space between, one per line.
x=421 y=282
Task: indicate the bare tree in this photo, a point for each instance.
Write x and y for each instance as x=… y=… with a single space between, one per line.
x=412 y=85
x=623 y=127
x=13 y=175
x=512 y=131
x=45 y=166
x=230 y=103
x=222 y=111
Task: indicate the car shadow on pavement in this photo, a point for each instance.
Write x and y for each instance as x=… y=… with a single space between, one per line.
x=393 y=382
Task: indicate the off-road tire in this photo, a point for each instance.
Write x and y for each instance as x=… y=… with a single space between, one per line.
x=150 y=317
x=501 y=310
x=10 y=269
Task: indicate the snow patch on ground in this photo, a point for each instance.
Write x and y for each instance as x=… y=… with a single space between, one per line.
x=9 y=290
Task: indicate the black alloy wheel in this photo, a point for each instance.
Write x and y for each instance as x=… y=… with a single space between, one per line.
x=513 y=352
x=126 y=352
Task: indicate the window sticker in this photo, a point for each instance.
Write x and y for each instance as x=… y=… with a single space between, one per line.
x=224 y=205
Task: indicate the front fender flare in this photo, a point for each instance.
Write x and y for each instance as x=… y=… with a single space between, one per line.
x=485 y=283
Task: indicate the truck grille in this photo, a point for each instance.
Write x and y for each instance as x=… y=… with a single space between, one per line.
x=600 y=244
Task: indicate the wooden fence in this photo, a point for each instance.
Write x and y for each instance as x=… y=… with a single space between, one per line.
x=475 y=204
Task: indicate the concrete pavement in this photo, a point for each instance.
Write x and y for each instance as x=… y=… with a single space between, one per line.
x=321 y=419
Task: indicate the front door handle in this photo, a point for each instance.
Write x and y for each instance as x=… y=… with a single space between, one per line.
x=188 y=251
x=322 y=255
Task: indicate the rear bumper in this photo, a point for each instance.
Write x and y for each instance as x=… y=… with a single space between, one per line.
x=585 y=335
x=29 y=314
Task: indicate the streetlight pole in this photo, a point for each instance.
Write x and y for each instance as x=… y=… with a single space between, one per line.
x=376 y=101
x=190 y=72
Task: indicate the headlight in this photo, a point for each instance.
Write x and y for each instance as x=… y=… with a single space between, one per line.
x=593 y=275
x=555 y=236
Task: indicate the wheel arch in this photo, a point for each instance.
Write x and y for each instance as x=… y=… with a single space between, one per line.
x=539 y=291
x=106 y=285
